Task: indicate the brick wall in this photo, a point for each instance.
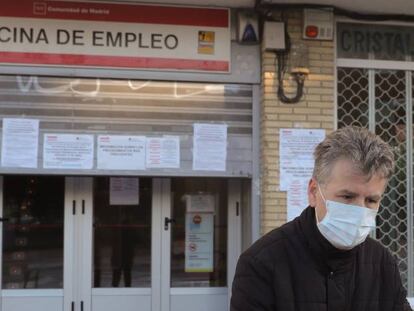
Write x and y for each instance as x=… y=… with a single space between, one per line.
x=315 y=110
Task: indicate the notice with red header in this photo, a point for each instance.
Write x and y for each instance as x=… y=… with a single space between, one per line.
x=68 y=151
x=163 y=152
x=296 y=148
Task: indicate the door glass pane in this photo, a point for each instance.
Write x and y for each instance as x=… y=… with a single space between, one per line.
x=122 y=232
x=199 y=232
x=33 y=234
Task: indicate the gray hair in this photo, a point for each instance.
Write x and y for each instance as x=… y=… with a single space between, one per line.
x=369 y=153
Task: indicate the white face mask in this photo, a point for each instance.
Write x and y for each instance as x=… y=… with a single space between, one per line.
x=346 y=226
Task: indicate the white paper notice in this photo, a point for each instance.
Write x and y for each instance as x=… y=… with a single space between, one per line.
x=124 y=191
x=296 y=148
x=297 y=198
x=117 y=152
x=204 y=203
x=163 y=152
x=68 y=151
x=20 y=143
x=210 y=147
x=199 y=232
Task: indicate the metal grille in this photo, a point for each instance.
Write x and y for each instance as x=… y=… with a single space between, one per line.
x=352 y=97
x=390 y=114
x=377 y=99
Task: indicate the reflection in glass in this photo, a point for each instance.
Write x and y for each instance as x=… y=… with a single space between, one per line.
x=180 y=275
x=33 y=234
x=122 y=238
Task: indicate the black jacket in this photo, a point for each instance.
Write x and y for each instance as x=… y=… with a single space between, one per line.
x=294 y=268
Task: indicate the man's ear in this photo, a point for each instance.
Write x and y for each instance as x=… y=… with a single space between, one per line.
x=312 y=191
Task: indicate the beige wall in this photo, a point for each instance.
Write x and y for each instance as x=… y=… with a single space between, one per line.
x=315 y=110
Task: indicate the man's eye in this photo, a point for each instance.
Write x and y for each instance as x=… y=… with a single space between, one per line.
x=347 y=197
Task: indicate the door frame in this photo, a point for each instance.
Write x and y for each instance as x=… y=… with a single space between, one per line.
x=162 y=245
x=93 y=298
x=78 y=243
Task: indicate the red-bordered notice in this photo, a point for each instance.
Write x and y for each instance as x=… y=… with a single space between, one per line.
x=128 y=36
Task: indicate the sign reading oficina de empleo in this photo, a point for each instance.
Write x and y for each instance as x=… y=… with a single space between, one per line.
x=102 y=35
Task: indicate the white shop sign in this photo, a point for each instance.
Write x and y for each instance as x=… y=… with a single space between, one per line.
x=127 y=36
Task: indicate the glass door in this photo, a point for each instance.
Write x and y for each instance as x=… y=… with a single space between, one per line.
x=32 y=242
x=108 y=244
x=121 y=238
x=77 y=243
x=200 y=237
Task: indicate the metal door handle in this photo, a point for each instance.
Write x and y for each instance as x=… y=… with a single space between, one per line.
x=168 y=221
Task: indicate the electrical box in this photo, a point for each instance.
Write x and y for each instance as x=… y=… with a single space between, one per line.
x=318 y=24
x=274 y=36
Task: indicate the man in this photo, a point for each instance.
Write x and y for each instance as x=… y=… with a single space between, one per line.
x=324 y=259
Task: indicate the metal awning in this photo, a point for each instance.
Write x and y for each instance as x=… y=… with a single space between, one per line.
x=405 y=7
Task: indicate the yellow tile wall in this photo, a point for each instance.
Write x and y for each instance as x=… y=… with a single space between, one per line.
x=315 y=110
